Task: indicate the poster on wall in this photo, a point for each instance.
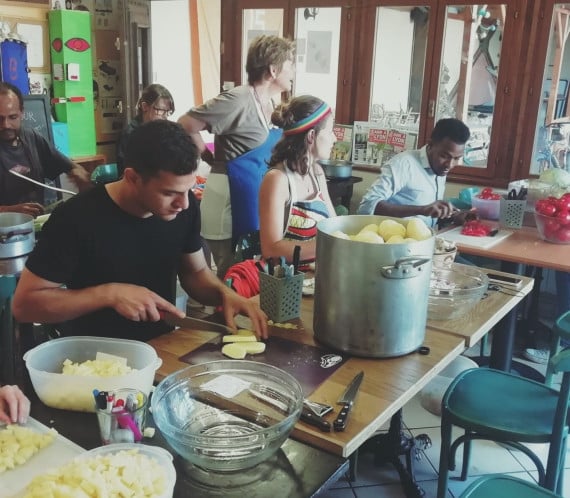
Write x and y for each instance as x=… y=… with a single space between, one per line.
x=318 y=58
x=40 y=83
x=374 y=144
x=106 y=14
x=342 y=148
x=108 y=77
x=33 y=35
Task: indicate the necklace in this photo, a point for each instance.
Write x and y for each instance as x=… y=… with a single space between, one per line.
x=261 y=108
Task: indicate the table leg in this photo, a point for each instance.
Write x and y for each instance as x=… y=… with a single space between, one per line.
x=388 y=447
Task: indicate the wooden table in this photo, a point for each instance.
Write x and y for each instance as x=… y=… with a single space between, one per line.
x=389 y=383
x=522 y=247
x=483 y=317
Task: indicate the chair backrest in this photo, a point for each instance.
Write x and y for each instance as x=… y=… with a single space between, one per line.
x=247 y=246
x=560 y=363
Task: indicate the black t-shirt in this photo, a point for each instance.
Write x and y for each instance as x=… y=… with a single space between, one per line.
x=33 y=157
x=89 y=241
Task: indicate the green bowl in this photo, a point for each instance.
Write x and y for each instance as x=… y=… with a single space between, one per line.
x=468 y=193
x=459 y=204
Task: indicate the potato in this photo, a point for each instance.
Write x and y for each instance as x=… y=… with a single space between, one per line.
x=245 y=332
x=253 y=347
x=369 y=237
x=238 y=338
x=395 y=239
x=391 y=227
x=234 y=351
x=417 y=229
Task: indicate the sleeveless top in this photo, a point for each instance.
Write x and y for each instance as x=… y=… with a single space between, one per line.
x=301 y=224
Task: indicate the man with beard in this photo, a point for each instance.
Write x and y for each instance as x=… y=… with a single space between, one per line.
x=412 y=183
x=26 y=152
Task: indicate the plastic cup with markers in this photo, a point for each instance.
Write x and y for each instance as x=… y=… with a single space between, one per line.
x=121 y=415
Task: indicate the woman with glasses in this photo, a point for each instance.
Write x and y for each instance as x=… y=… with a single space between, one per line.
x=155 y=102
x=240 y=120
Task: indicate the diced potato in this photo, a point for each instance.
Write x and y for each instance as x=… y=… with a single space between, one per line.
x=99 y=368
x=124 y=474
x=238 y=338
x=18 y=444
x=234 y=351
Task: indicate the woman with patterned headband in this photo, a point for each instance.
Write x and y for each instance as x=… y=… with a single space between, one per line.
x=294 y=195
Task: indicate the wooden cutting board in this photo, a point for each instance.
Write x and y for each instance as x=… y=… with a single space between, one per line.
x=59 y=452
x=467 y=240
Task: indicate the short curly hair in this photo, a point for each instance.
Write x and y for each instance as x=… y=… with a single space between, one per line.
x=264 y=51
x=161 y=145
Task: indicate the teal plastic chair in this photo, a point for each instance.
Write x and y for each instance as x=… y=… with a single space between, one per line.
x=560 y=331
x=499 y=406
x=499 y=486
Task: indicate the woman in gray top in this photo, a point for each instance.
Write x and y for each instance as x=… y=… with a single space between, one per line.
x=240 y=119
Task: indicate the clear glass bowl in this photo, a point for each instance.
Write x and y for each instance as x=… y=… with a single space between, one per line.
x=551 y=230
x=454 y=291
x=227 y=415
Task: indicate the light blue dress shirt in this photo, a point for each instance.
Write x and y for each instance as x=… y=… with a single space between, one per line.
x=406 y=179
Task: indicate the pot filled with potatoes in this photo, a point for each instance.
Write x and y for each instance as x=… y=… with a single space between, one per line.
x=372 y=284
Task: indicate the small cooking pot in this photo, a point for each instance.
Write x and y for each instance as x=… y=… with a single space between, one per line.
x=336 y=169
x=17 y=236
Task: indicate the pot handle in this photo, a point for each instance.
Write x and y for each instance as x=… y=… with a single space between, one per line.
x=408 y=267
x=5 y=237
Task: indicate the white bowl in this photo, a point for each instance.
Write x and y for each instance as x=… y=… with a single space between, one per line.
x=74 y=392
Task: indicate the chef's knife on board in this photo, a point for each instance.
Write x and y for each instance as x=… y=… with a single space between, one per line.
x=347 y=400
x=194 y=323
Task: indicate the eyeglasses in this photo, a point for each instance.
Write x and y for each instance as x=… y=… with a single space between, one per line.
x=162 y=112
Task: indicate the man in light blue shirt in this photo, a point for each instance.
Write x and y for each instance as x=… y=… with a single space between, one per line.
x=413 y=182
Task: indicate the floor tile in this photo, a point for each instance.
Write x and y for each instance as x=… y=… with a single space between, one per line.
x=457 y=487
x=487 y=457
x=338 y=493
x=416 y=416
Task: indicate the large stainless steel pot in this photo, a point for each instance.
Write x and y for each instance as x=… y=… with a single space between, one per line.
x=17 y=236
x=370 y=299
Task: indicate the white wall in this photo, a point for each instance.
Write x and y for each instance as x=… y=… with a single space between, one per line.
x=171 y=57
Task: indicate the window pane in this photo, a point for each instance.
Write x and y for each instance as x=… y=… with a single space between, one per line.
x=551 y=142
x=469 y=73
x=317 y=37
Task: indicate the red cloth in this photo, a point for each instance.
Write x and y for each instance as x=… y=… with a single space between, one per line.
x=245 y=278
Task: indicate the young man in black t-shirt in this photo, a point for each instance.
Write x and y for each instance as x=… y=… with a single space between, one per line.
x=119 y=247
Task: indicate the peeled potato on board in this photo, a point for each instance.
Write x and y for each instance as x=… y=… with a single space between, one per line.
x=18 y=444
x=239 y=338
x=234 y=351
x=253 y=347
x=245 y=332
x=238 y=350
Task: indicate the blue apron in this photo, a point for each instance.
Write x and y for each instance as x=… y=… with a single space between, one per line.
x=245 y=174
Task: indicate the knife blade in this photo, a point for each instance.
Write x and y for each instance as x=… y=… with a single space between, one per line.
x=194 y=323
x=311 y=418
x=347 y=401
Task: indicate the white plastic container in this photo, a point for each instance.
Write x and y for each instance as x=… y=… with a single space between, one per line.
x=160 y=455
x=73 y=392
x=488 y=209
